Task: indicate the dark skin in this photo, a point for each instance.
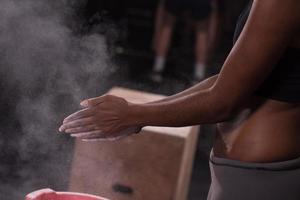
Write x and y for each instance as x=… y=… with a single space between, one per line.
x=250 y=128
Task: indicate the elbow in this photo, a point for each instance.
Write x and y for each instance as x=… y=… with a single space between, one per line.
x=223 y=109
x=222 y=113
x=227 y=111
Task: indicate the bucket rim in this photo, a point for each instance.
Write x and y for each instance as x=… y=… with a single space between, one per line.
x=37 y=193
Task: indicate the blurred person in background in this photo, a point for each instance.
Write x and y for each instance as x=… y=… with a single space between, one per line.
x=158 y=23
x=167 y=13
x=255 y=99
x=215 y=24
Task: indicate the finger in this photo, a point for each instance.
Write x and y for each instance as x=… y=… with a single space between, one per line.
x=92 y=101
x=79 y=114
x=82 y=134
x=82 y=129
x=94 y=140
x=77 y=123
x=119 y=137
x=109 y=137
x=89 y=134
x=104 y=139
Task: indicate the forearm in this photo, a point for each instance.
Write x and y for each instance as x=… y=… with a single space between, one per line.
x=207 y=83
x=196 y=108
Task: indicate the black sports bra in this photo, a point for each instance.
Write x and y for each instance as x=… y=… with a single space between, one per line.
x=283 y=84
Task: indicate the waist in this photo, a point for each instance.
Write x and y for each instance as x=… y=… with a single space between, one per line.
x=267 y=132
x=268 y=166
x=250 y=181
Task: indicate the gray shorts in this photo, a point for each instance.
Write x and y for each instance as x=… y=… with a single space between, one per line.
x=237 y=180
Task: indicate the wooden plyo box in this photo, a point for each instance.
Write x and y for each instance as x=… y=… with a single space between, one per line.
x=153 y=165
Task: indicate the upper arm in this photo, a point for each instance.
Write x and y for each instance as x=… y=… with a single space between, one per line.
x=268 y=31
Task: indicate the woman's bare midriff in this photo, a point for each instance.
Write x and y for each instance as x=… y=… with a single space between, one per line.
x=264 y=131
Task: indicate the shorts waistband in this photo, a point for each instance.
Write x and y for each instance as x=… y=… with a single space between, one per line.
x=292 y=164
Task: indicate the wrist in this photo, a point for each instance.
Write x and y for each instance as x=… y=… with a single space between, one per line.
x=138 y=115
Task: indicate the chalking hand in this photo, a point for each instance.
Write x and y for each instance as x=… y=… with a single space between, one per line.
x=102 y=118
x=97 y=136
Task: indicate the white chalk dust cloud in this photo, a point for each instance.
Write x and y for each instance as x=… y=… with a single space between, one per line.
x=50 y=69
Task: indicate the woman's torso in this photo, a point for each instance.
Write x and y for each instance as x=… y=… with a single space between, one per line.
x=265 y=129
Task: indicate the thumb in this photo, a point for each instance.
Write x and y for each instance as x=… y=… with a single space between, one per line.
x=91 y=102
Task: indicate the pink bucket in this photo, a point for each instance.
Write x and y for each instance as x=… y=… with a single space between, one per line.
x=48 y=194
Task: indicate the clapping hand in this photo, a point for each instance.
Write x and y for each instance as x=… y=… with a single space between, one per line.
x=102 y=118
